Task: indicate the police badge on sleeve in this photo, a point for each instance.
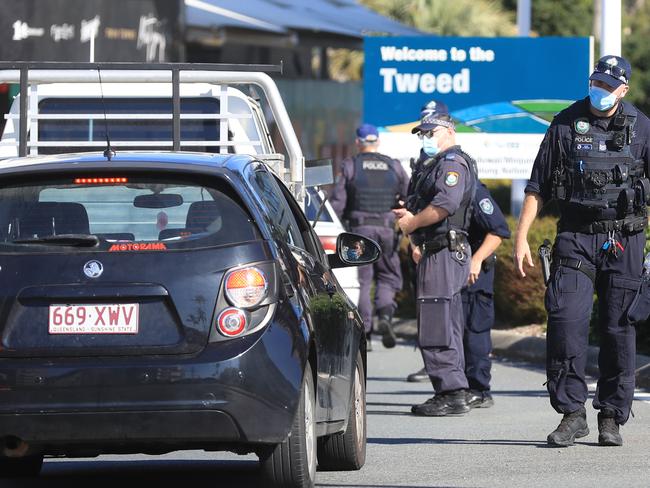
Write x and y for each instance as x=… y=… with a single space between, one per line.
x=486 y=206
x=452 y=178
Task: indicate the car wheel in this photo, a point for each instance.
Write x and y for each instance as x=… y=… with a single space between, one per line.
x=346 y=451
x=20 y=467
x=292 y=463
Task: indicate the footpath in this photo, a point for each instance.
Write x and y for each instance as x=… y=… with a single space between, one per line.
x=512 y=344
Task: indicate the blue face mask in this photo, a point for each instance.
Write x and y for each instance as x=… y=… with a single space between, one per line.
x=430 y=146
x=353 y=255
x=601 y=99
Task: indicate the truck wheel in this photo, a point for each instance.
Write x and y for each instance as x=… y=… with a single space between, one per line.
x=292 y=463
x=20 y=467
x=346 y=451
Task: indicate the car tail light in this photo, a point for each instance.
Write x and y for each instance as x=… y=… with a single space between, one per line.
x=329 y=243
x=231 y=322
x=246 y=287
x=100 y=181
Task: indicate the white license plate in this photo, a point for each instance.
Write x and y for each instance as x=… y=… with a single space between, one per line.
x=94 y=319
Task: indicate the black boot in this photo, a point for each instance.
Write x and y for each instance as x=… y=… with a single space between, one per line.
x=608 y=434
x=479 y=399
x=368 y=342
x=385 y=328
x=448 y=403
x=418 y=376
x=573 y=426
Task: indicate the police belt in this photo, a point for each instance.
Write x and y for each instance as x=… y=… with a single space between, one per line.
x=441 y=242
x=359 y=221
x=630 y=225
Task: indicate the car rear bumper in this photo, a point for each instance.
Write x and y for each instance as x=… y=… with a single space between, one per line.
x=241 y=391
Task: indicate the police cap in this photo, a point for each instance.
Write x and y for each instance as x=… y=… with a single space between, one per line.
x=367 y=133
x=432 y=115
x=613 y=70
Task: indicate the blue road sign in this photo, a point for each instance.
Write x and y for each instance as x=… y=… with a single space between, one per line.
x=490 y=84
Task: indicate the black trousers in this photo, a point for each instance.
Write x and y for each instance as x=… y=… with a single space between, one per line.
x=569 y=303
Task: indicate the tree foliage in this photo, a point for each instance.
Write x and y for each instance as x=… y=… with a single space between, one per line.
x=636 y=31
x=445 y=18
x=558 y=17
x=442 y=17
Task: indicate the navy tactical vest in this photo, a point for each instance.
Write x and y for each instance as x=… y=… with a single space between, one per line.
x=600 y=180
x=375 y=186
x=424 y=191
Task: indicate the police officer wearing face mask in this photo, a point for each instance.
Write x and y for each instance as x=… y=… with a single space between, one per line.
x=594 y=162
x=437 y=220
x=370 y=185
x=487 y=229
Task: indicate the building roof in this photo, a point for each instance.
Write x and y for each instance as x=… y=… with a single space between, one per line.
x=342 y=18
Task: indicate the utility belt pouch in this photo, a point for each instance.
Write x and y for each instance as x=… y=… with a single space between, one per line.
x=434 y=245
x=457 y=242
x=639 y=310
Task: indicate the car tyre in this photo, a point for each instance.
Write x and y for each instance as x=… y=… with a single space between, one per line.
x=292 y=463
x=22 y=467
x=346 y=451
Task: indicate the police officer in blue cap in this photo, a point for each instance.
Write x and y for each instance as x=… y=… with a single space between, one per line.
x=370 y=185
x=594 y=162
x=487 y=228
x=437 y=220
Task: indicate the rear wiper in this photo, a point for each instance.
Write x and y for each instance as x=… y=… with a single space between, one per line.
x=77 y=240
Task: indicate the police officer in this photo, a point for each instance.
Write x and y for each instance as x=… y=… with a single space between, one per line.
x=370 y=185
x=437 y=219
x=594 y=162
x=487 y=229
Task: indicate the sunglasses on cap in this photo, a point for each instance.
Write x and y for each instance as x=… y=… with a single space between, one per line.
x=428 y=133
x=608 y=69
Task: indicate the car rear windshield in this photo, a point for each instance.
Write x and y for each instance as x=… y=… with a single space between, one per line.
x=119 y=212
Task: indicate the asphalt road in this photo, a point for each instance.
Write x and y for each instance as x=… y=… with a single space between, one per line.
x=500 y=446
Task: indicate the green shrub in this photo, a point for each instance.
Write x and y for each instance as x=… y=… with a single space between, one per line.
x=520 y=301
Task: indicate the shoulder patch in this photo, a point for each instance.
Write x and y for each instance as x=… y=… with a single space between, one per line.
x=581 y=126
x=486 y=206
x=450 y=156
x=451 y=179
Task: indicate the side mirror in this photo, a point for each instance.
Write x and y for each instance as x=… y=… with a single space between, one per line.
x=354 y=250
x=158 y=200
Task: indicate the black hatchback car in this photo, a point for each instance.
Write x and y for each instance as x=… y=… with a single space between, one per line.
x=167 y=301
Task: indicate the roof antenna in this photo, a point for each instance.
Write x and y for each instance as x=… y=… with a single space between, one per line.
x=109 y=152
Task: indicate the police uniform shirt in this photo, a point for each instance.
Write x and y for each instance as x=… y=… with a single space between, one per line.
x=550 y=152
x=451 y=180
x=487 y=218
x=338 y=197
